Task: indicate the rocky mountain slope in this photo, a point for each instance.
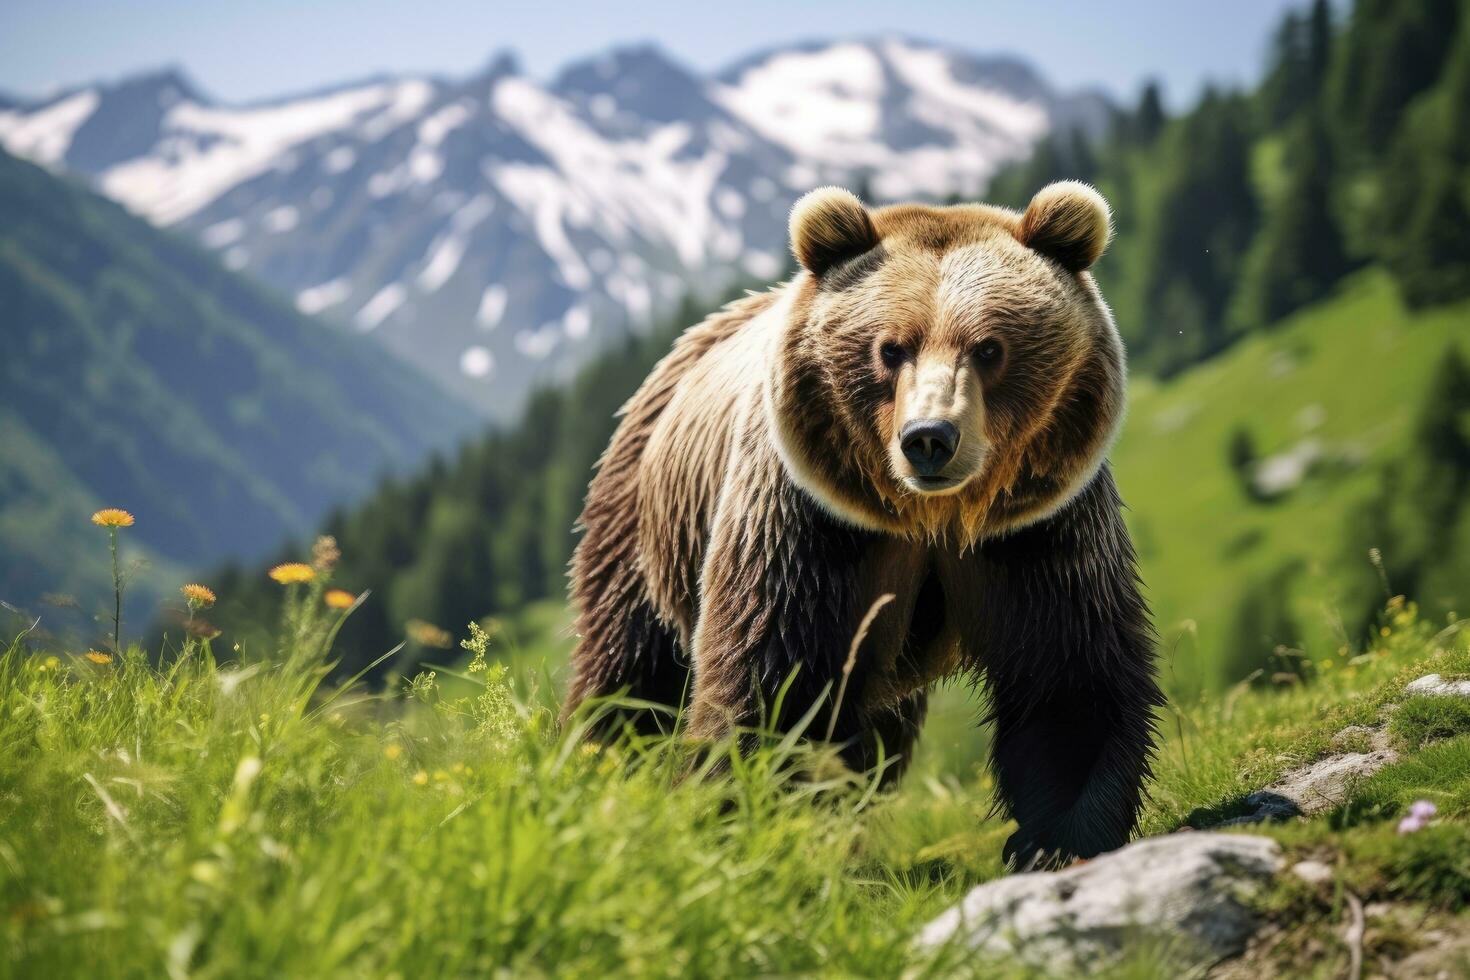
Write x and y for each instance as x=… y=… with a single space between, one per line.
x=138 y=373
x=494 y=230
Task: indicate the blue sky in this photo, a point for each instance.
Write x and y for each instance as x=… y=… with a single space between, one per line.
x=242 y=51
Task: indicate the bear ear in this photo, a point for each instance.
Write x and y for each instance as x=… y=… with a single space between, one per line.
x=1067 y=221
x=830 y=225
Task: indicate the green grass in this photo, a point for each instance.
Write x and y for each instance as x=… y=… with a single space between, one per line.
x=1421 y=720
x=237 y=818
x=1348 y=372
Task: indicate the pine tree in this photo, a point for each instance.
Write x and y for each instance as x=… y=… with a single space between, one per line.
x=1288 y=84
x=1300 y=252
x=1392 y=51
x=1149 y=119
x=1301 y=51
x=1319 y=43
x=1424 y=208
x=1192 y=234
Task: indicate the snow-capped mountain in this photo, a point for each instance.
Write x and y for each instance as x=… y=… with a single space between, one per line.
x=496 y=230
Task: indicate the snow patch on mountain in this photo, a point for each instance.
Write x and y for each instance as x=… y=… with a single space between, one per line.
x=206 y=150
x=822 y=105
x=281 y=219
x=894 y=111
x=476 y=362
x=645 y=187
x=222 y=233
x=383 y=305
x=325 y=296
x=448 y=249
x=43 y=136
x=492 y=307
x=340 y=159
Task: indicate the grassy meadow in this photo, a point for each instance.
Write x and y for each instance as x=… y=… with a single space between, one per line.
x=1346 y=376
x=225 y=812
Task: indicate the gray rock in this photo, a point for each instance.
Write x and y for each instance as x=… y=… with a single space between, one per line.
x=1189 y=890
x=1324 y=784
x=1313 y=789
x=1435 y=686
x=1312 y=872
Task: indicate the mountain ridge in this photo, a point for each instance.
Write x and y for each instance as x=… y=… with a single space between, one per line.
x=140 y=374
x=497 y=229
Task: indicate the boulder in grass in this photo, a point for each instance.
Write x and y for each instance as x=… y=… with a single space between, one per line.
x=1189 y=892
x=1435 y=686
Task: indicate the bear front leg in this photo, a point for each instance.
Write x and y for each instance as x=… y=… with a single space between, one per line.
x=777 y=597
x=1070 y=768
x=1055 y=619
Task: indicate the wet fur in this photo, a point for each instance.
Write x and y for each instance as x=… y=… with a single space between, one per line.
x=747 y=515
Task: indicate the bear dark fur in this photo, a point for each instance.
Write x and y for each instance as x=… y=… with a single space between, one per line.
x=922 y=413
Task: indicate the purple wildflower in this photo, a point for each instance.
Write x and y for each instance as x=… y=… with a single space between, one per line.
x=1420 y=813
x=1423 y=809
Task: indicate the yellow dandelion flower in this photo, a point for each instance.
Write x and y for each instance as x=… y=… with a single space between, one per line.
x=112 y=517
x=421 y=778
x=98 y=657
x=339 y=599
x=198 y=595
x=293 y=572
x=393 y=750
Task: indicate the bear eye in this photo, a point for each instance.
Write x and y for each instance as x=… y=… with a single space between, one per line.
x=892 y=354
x=988 y=352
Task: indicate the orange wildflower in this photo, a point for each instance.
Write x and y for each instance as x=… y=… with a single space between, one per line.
x=198 y=595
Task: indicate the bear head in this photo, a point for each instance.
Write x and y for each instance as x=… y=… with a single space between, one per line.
x=947 y=372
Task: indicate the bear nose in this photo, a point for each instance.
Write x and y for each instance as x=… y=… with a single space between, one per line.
x=929 y=444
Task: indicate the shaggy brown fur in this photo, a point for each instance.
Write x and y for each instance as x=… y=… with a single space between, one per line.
x=762 y=492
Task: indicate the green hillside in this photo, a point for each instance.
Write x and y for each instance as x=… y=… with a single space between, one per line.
x=1339 y=386
x=138 y=373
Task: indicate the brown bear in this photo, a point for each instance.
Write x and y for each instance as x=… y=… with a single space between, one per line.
x=922 y=412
